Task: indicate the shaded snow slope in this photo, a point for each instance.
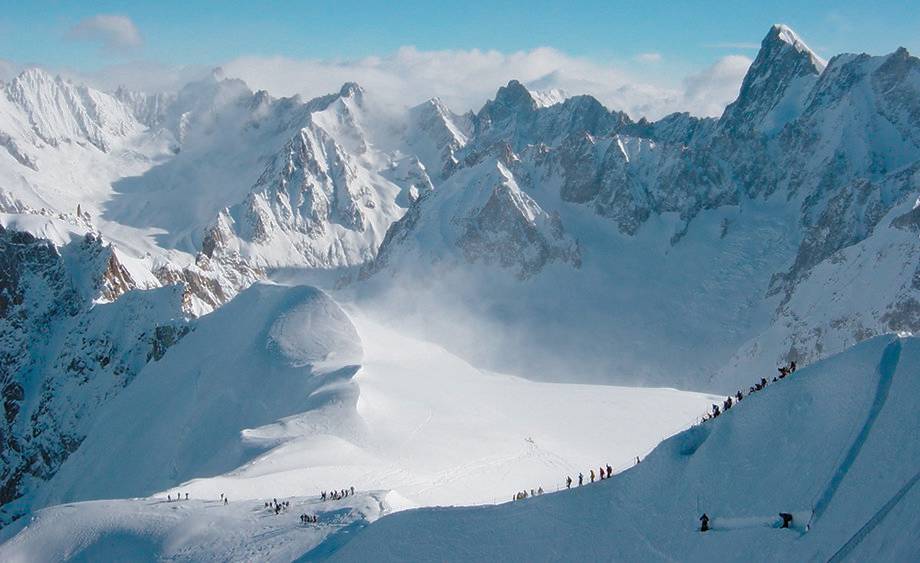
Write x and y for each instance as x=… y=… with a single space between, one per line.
x=833 y=444
x=241 y=367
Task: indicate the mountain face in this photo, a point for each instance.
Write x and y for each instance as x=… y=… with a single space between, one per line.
x=73 y=336
x=792 y=151
x=544 y=234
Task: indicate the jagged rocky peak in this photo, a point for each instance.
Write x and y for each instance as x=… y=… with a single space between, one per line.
x=512 y=99
x=57 y=111
x=351 y=90
x=776 y=85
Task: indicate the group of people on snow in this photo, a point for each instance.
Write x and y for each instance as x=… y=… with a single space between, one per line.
x=309 y=519
x=278 y=507
x=337 y=495
x=178 y=497
x=521 y=495
x=603 y=472
x=730 y=401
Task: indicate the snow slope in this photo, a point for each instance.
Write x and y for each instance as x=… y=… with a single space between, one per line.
x=269 y=396
x=834 y=445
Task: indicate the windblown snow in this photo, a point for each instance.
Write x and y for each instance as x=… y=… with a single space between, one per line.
x=246 y=299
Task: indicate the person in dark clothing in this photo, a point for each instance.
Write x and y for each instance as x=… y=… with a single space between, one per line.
x=704 y=523
x=739 y=396
x=792 y=367
x=186 y=496
x=609 y=471
x=581 y=479
x=787 y=519
x=568 y=482
x=763 y=382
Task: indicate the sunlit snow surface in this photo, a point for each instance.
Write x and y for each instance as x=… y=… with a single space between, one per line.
x=265 y=399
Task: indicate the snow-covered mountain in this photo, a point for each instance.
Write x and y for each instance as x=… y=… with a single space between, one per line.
x=544 y=236
x=811 y=159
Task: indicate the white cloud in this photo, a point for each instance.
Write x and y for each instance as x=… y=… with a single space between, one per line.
x=462 y=79
x=711 y=89
x=111 y=32
x=465 y=79
x=648 y=57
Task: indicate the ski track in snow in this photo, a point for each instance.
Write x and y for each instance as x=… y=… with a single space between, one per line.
x=886 y=370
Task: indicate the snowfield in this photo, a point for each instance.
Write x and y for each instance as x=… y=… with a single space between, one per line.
x=834 y=444
x=278 y=395
x=239 y=298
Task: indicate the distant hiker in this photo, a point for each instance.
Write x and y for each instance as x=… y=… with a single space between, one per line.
x=792 y=367
x=787 y=519
x=763 y=382
x=186 y=496
x=568 y=481
x=637 y=460
x=168 y=498
x=704 y=522
x=739 y=396
x=592 y=475
x=352 y=490
x=601 y=468
x=728 y=403
x=609 y=471
x=225 y=500
x=581 y=479
x=540 y=491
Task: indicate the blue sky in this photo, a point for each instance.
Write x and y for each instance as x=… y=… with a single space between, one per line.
x=658 y=43
x=208 y=33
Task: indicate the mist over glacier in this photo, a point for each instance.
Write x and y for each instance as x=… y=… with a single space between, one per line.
x=256 y=304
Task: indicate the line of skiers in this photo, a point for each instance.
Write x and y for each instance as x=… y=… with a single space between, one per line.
x=278 y=507
x=337 y=495
x=604 y=472
x=730 y=401
x=178 y=497
x=309 y=519
x=523 y=494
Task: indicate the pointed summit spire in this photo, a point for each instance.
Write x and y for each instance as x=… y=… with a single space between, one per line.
x=776 y=85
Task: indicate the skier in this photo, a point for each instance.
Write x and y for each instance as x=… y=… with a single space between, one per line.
x=581 y=479
x=592 y=475
x=568 y=481
x=704 y=522
x=787 y=519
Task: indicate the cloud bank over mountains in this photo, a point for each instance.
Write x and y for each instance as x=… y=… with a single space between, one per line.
x=465 y=79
